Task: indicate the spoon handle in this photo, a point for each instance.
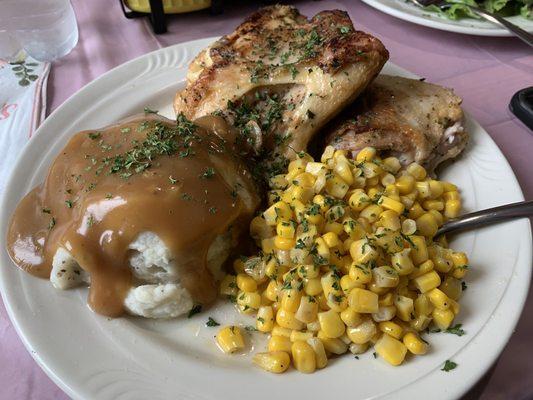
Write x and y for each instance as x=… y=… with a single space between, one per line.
x=488 y=216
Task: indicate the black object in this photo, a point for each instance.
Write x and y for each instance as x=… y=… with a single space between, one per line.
x=157 y=15
x=521 y=105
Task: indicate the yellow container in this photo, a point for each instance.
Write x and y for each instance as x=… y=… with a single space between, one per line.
x=169 y=6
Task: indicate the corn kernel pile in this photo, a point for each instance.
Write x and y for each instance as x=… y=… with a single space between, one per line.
x=348 y=261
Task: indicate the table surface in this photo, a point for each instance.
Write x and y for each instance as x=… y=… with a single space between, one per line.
x=485 y=72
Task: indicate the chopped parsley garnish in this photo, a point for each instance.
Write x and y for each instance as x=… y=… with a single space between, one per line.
x=195 y=310
x=95 y=135
x=208 y=173
x=172 y=180
x=211 y=322
x=213 y=210
x=150 y=111
x=463 y=285
x=68 y=203
x=250 y=328
x=51 y=224
x=344 y=30
x=456 y=330
x=448 y=366
x=46 y=210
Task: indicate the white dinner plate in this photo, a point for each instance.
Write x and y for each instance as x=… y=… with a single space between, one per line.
x=93 y=357
x=404 y=10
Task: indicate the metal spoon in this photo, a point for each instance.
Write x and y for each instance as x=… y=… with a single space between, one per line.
x=489 y=216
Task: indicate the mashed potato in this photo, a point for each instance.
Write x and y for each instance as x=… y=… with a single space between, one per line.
x=158 y=292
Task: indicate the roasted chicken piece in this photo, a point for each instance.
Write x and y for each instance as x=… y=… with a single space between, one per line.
x=280 y=77
x=407 y=118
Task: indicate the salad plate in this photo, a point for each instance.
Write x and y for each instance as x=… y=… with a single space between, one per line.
x=407 y=11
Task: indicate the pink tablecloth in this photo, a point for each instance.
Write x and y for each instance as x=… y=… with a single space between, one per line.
x=484 y=71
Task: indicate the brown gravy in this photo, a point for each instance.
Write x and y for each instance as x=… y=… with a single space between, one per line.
x=180 y=181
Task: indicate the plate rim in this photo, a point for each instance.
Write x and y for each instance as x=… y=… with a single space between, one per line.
x=440 y=23
x=82 y=92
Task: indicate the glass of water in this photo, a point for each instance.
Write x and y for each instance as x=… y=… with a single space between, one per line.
x=45 y=29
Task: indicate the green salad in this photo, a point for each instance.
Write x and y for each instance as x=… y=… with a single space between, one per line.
x=505 y=8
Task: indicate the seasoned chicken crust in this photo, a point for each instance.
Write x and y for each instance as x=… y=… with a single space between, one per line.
x=280 y=77
x=408 y=118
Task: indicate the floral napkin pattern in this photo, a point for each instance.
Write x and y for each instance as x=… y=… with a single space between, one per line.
x=22 y=107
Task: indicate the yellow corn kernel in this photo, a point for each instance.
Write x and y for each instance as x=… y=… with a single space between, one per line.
x=335 y=346
x=342 y=168
x=347 y=283
x=415 y=211
x=298 y=209
x=451 y=195
x=420 y=323
x=402 y=263
x=230 y=339
x=390 y=349
x=330 y=284
x=331 y=324
x=363 y=332
x=283 y=243
x=264 y=321
x=417 y=171
x=360 y=273
x=414 y=344
x=248 y=302
x=424 y=268
x=363 y=301
x=274 y=361
x=452 y=287
x=299 y=335
x=246 y=283
x=433 y=205
x=286 y=319
x=391 y=164
x=303 y=357
x=391 y=328
x=362 y=251
x=371 y=212
x=390 y=219
x=371 y=172
x=358 y=200
x=334 y=227
x=313 y=326
x=390 y=241
x=238 y=266
x=459 y=259
x=404 y=308
x=385 y=277
x=268 y=247
x=304 y=179
x=313 y=287
x=419 y=252
x=366 y=154
x=390 y=204
x=278 y=182
x=228 y=286
x=337 y=303
x=320 y=353
x=350 y=317
x=405 y=184
x=279 y=343
x=279 y=211
x=331 y=239
x=423 y=305
x=452 y=208
x=439 y=299
x=436 y=188
x=449 y=187
x=438 y=217
x=322 y=248
x=290 y=299
x=427 y=225
x=280 y=331
x=374 y=288
x=259 y=229
x=336 y=187
x=285 y=230
x=386 y=300
x=272 y=290
x=442 y=318
x=423 y=189
x=427 y=282
x=321 y=201
x=454 y=306
x=307 y=309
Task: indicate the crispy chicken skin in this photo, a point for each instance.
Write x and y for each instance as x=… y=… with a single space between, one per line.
x=408 y=118
x=280 y=77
